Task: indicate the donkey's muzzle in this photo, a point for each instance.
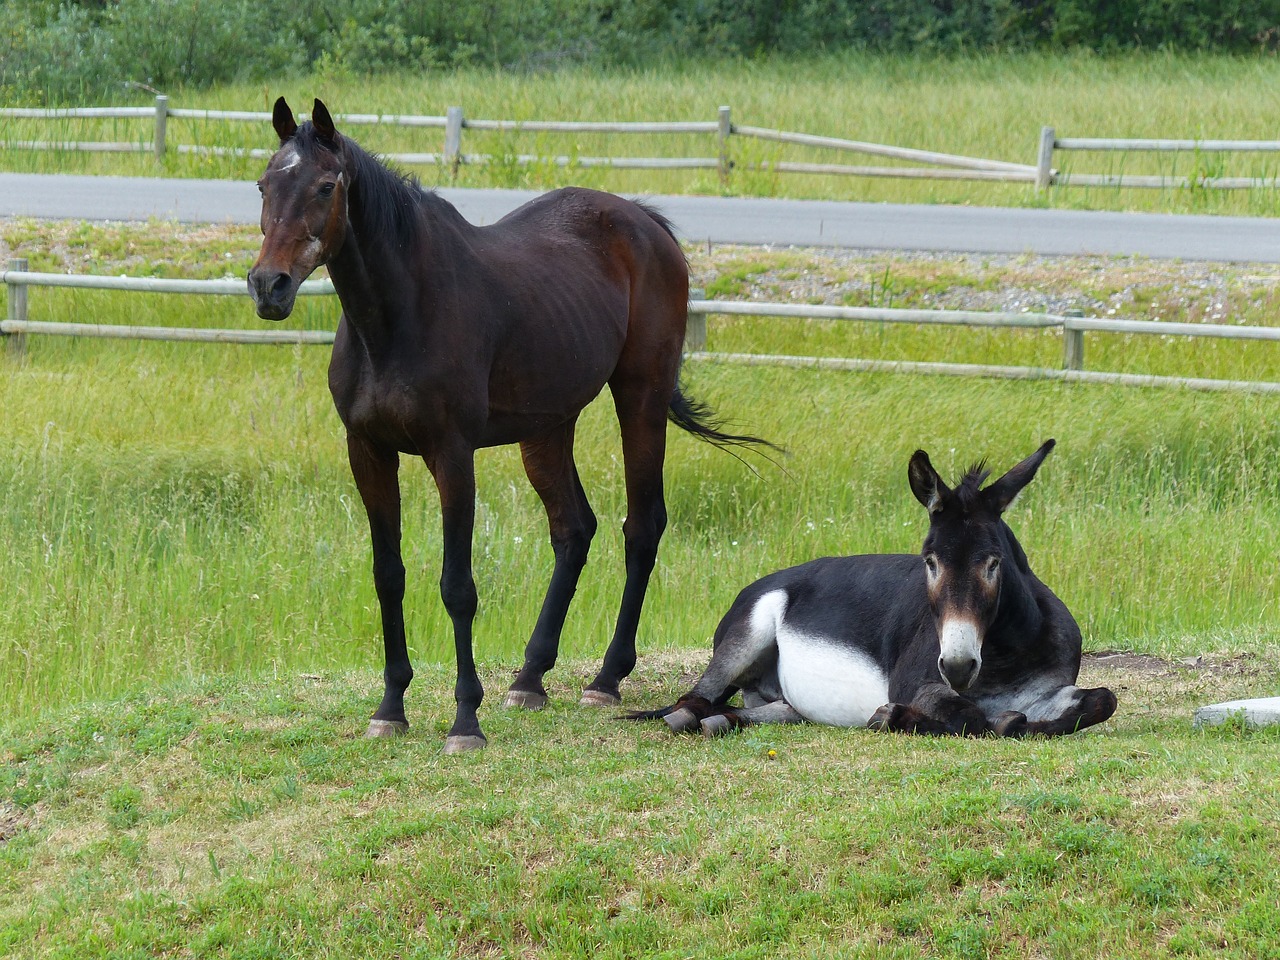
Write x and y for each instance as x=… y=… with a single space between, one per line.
x=959 y=672
x=273 y=293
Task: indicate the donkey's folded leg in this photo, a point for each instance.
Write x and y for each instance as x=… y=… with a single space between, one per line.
x=1083 y=708
x=777 y=711
x=935 y=709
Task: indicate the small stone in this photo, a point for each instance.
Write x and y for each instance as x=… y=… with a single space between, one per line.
x=1260 y=712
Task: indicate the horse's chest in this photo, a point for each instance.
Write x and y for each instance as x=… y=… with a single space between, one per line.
x=828 y=682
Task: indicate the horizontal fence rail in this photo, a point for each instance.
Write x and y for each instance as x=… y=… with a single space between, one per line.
x=1047 y=175
x=17 y=280
x=925 y=164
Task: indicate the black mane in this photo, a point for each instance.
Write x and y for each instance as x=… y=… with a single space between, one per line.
x=969 y=489
x=388 y=201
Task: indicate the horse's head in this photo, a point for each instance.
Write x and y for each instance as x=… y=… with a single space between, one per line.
x=967 y=556
x=304 y=208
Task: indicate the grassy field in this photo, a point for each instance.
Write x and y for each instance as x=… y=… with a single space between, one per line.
x=175 y=510
x=991 y=107
x=189 y=640
x=219 y=818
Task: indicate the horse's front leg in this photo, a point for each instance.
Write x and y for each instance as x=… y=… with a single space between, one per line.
x=454 y=472
x=376 y=476
x=1064 y=711
x=935 y=709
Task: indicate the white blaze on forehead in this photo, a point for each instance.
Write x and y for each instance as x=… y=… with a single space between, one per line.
x=289 y=158
x=960 y=640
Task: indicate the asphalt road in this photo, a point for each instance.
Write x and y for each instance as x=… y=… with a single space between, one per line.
x=717 y=219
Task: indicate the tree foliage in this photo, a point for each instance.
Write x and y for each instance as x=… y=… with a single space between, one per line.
x=80 y=49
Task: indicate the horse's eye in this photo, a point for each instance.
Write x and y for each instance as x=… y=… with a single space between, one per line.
x=260 y=190
x=325 y=191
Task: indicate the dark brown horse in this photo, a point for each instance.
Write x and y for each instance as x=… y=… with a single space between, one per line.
x=455 y=337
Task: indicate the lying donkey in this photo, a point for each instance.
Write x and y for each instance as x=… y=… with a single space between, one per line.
x=963 y=639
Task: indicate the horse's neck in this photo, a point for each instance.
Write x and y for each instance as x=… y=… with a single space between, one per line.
x=374 y=275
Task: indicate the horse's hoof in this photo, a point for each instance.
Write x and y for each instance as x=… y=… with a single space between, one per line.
x=716 y=725
x=681 y=721
x=598 y=698
x=382 y=729
x=461 y=744
x=524 y=700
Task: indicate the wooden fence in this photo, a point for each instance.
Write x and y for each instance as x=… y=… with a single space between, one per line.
x=928 y=164
x=18 y=325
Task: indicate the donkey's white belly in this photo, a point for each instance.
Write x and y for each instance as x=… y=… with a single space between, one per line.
x=828 y=683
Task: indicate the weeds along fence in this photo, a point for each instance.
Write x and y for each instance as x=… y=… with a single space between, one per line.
x=924 y=164
x=17 y=325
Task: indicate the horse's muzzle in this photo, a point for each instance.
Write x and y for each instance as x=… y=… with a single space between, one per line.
x=273 y=293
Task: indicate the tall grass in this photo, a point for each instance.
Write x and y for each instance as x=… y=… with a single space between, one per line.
x=982 y=105
x=174 y=510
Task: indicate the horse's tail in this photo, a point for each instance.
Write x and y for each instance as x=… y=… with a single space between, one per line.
x=661 y=220
x=696 y=418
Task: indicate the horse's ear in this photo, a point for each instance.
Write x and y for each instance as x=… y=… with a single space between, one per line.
x=925 y=482
x=323 y=123
x=1004 y=491
x=282 y=120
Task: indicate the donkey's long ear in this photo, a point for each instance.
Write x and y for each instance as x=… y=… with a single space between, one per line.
x=323 y=123
x=925 y=482
x=282 y=120
x=1004 y=491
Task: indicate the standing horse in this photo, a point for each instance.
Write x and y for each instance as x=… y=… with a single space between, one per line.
x=961 y=639
x=455 y=337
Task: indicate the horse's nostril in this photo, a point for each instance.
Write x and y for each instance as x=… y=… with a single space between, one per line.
x=280 y=285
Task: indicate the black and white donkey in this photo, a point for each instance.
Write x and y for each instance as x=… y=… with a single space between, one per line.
x=960 y=639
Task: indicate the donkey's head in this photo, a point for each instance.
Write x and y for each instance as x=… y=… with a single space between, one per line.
x=967 y=556
x=304 y=208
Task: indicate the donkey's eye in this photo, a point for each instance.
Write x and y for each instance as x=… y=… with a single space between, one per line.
x=992 y=569
x=260 y=190
x=931 y=566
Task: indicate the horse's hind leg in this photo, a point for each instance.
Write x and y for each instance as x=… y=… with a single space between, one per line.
x=550 y=467
x=642 y=417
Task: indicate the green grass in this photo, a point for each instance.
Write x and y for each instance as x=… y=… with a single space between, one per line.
x=982 y=106
x=177 y=510
x=219 y=818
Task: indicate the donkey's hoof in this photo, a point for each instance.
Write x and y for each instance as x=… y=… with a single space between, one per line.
x=885 y=717
x=524 y=700
x=1011 y=723
x=683 y=720
x=461 y=744
x=598 y=698
x=382 y=729
x=716 y=725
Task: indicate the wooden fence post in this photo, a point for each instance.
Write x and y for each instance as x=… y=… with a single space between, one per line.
x=726 y=129
x=16 y=343
x=1072 y=344
x=162 y=121
x=695 y=331
x=453 y=140
x=1044 y=160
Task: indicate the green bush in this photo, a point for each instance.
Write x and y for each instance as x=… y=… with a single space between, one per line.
x=75 y=51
